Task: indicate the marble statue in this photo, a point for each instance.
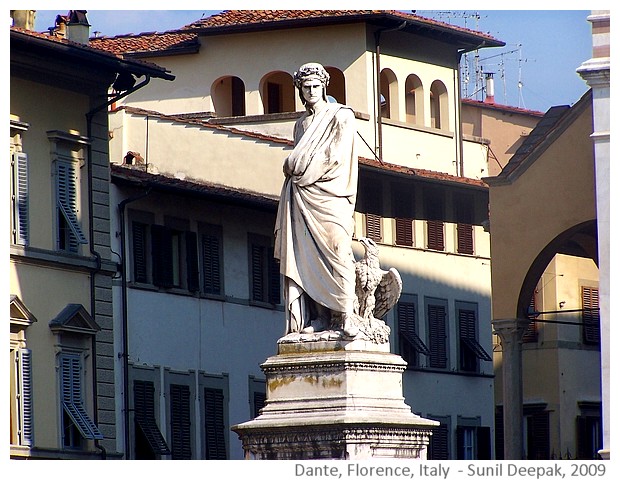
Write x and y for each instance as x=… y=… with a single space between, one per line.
x=314 y=224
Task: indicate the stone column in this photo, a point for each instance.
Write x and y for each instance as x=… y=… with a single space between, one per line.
x=510 y=332
x=596 y=72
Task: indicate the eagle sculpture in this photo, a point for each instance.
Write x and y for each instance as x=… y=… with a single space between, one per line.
x=377 y=290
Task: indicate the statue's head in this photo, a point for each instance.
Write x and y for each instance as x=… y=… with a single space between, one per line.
x=311 y=71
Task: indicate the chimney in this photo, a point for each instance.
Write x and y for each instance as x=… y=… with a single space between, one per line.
x=490 y=89
x=78 y=28
x=23 y=18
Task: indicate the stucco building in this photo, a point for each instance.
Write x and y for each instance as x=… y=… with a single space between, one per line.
x=199 y=161
x=62 y=389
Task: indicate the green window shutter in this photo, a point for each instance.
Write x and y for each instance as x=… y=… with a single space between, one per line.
x=26 y=420
x=144 y=408
x=214 y=424
x=139 y=249
x=191 y=259
x=211 y=267
x=67 y=201
x=437 y=336
x=180 y=422
x=20 y=198
x=71 y=382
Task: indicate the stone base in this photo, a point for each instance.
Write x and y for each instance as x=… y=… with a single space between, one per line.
x=335 y=400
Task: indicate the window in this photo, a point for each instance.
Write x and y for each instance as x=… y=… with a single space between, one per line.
x=165 y=256
x=76 y=424
x=439 y=105
x=470 y=351
x=403 y=211
x=389 y=94
x=214 y=400
x=19 y=199
x=414 y=100
x=258 y=395
x=180 y=422
x=589 y=431
x=536 y=433
x=69 y=233
x=437 y=333
x=370 y=203
x=211 y=256
x=434 y=213
x=409 y=343
x=590 y=316
x=264 y=271
x=21 y=413
x=439 y=446
x=464 y=209
x=228 y=96
x=473 y=442
x=278 y=93
x=149 y=442
x=531 y=333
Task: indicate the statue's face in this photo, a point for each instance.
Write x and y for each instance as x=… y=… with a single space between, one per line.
x=312 y=90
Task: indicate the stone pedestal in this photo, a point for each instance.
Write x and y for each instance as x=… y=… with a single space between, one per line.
x=335 y=400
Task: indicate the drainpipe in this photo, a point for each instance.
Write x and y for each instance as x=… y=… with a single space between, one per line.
x=124 y=317
x=93 y=252
x=458 y=123
x=378 y=74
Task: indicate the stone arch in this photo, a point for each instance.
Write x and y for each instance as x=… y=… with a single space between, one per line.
x=414 y=100
x=389 y=94
x=439 y=105
x=277 y=92
x=228 y=95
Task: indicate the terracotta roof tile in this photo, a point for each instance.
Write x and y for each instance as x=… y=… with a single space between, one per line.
x=148 y=43
x=126 y=174
x=230 y=18
x=504 y=108
x=422 y=173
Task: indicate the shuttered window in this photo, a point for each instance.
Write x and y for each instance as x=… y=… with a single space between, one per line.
x=465 y=238
x=499 y=432
x=404 y=231
x=161 y=252
x=410 y=344
x=264 y=271
x=191 y=261
x=439 y=447
x=531 y=332
x=470 y=350
x=24 y=397
x=139 y=232
x=590 y=316
x=72 y=400
x=211 y=251
x=19 y=199
x=537 y=434
x=373 y=227
x=180 y=422
x=473 y=443
x=69 y=232
x=435 y=235
x=215 y=427
x=437 y=338
x=149 y=440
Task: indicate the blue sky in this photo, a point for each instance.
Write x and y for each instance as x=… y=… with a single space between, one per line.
x=543 y=47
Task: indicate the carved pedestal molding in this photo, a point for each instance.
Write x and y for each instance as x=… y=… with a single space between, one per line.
x=510 y=332
x=335 y=400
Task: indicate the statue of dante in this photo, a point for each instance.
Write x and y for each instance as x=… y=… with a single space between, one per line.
x=314 y=225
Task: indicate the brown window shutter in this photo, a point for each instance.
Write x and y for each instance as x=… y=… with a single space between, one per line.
x=590 y=316
x=214 y=424
x=139 y=236
x=435 y=240
x=465 y=238
x=404 y=231
x=191 y=258
x=211 y=267
x=373 y=227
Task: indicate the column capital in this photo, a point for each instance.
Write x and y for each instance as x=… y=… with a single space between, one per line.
x=510 y=329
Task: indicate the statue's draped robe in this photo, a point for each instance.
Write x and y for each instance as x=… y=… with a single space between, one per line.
x=314 y=225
